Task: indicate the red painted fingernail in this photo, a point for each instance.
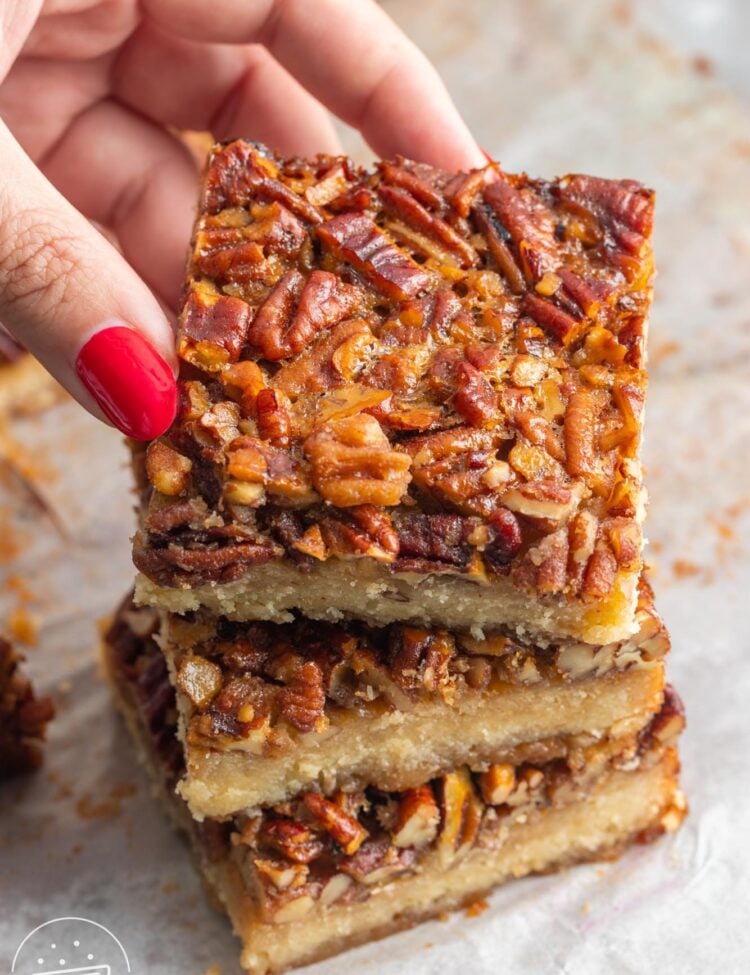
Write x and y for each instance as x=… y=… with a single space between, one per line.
x=130 y=381
x=486 y=155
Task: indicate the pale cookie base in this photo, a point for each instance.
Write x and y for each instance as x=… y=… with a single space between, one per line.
x=367 y=590
x=398 y=749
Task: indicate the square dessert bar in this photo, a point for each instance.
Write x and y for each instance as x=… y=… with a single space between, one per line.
x=23 y=716
x=328 y=869
x=269 y=710
x=407 y=395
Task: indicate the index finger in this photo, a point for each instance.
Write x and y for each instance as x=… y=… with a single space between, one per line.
x=351 y=56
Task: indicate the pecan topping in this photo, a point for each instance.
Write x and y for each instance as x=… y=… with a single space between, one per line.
x=353 y=463
x=452 y=344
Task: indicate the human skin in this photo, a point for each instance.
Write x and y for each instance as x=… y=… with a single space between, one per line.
x=90 y=93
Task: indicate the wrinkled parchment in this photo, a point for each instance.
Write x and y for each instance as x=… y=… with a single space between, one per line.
x=549 y=86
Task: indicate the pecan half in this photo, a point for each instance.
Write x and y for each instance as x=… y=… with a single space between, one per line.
x=212 y=330
x=302 y=701
x=356 y=238
x=353 y=463
x=321 y=302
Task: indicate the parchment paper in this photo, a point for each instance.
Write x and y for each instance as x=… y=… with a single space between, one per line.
x=549 y=86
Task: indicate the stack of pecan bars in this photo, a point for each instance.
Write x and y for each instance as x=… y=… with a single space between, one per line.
x=391 y=643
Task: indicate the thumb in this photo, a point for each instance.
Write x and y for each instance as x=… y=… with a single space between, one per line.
x=73 y=300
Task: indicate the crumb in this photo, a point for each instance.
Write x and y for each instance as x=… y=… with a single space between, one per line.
x=169 y=887
x=586 y=907
x=65 y=686
x=442 y=916
x=661 y=351
x=684 y=569
x=725 y=530
x=87 y=808
x=107 y=808
x=702 y=65
x=213 y=970
x=23 y=626
x=20 y=587
x=476 y=908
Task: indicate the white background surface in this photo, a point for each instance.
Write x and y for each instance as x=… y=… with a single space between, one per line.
x=549 y=86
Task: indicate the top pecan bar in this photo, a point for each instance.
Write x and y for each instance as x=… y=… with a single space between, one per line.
x=440 y=375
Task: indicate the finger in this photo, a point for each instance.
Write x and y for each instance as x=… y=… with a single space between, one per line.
x=73 y=301
x=58 y=92
x=351 y=57
x=229 y=90
x=137 y=180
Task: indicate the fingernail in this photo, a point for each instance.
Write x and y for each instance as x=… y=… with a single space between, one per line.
x=486 y=154
x=130 y=381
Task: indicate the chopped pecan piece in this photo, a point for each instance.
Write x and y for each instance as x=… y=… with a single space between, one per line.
x=417 y=818
x=167 y=470
x=475 y=400
x=353 y=463
x=624 y=208
x=242 y=381
x=344 y=828
x=356 y=238
x=239 y=172
x=333 y=360
x=670 y=721
x=554 y=320
x=378 y=861
x=302 y=701
x=199 y=679
x=295 y=840
x=212 y=331
x=542 y=499
x=461 y=814
x=274 y=423
x=438 y=539
x=504 y=540
x=497 y=783
x=396 y=175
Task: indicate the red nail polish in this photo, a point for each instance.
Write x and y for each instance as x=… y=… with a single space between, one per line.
x=130 y=381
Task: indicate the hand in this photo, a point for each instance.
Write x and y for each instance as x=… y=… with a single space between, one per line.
x=90 y=94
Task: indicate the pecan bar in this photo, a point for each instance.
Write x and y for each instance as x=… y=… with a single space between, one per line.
x=406 y=395
x=23 y=717
x=304 y=879
x=25 y=386
x=269 y=710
